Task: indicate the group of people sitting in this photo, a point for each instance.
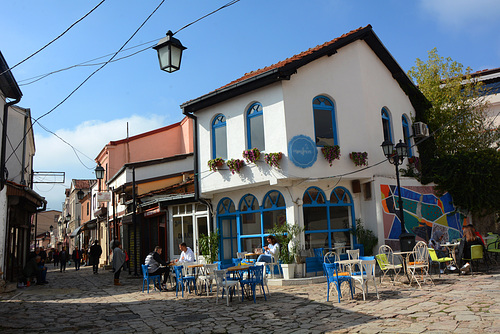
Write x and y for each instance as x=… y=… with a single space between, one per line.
x=470 y=237
x=157 y=266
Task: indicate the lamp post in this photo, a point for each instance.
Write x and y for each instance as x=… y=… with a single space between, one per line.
x=169 y=51
x=396 y=156
x=80 y=194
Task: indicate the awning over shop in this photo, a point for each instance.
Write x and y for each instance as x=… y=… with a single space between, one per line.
x=91 y=224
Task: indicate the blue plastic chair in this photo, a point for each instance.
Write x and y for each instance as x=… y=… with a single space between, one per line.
x=331 y=271
x=147 y=278
x=183 y=281
x=255 y=277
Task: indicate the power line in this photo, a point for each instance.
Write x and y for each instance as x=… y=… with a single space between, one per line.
x=85 y=63
x=86 y=79
x=55 y=39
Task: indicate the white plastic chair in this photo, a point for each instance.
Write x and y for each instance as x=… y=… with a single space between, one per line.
x=207 y=276
x=366 y=275
x=224 y=284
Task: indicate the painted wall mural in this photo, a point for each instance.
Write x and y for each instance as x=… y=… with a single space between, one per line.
x=424 y=213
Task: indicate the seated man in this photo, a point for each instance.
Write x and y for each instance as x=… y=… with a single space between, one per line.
x=187 y=254
x=33 y=269
x=153 y=260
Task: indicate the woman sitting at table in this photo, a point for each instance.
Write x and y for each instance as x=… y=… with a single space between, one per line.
x=435 y=243
x=270 y=251
x=470 y=238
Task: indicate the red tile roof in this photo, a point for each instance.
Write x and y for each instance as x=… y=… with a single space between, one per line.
x=293 y=58
x=83 y=184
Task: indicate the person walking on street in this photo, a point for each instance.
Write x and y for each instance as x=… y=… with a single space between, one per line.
x=77 y=257
x=95 y=254
x=56 y=258
x=118 y=261
x=63 y=258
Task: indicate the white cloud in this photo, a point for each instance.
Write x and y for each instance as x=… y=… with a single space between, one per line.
x=463 y=14
x=89 y=138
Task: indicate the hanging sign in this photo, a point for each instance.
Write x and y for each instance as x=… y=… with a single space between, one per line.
x=103 y=196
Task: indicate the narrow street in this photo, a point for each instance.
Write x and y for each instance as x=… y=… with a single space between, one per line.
x=78 y=301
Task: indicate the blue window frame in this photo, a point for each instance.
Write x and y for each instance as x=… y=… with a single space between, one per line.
x=386 y=125
x=226 y=222
x=219 y=137
x=407 y=135
x=325 y=127
x=250 y=224
x=255 y=127
x=327 y=222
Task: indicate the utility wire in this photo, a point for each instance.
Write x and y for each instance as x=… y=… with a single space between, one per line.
x=84 y=81
x=86 y=63
x=52 y=41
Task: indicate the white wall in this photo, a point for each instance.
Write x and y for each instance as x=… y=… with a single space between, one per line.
x=360 y=86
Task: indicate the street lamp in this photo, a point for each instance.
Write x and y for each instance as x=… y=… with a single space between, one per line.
x=99 y=172
x=169 y=52
x=80 y=194
x=51 y=228
x=396 y=156
x=68 y=217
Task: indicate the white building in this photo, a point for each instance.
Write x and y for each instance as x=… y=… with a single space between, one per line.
x=348 y=92
x=18 y=201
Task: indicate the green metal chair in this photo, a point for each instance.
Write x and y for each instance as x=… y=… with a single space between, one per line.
x=493 y=244
x=434 y=258
x=476 y=254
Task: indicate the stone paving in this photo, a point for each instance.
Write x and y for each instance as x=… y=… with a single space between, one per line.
x=78 y=301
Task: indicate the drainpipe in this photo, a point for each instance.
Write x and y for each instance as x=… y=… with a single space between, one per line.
x=3 y=180
x=195 y=153
x=23 y=180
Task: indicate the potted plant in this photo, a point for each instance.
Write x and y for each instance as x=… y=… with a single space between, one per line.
x=235 y=165
x=209 y=246
x=214 y=164
x=251 y=156
x=285 y=234
x=273 y=159
x=359 y=158
x=331 y=153
x=365 y=237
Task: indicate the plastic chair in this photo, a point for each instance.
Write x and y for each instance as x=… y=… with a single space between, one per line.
x=366 y=274
x=265 y=275
x=493 y=244
x=434 y=258
x=420 y=263
x=146 y=279
x=183 y=281
x=223 y=283
x=385 y=260
x=255 y=277
x=476 y=254
x=331 y=271
x=207 y=276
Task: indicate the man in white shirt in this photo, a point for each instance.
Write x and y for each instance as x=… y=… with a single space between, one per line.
x=187 y=254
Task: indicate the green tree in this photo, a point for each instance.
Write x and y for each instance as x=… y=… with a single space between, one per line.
x=461 y=156
x=458 y=115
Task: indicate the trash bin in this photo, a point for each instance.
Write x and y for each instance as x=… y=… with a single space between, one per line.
x=407 y=242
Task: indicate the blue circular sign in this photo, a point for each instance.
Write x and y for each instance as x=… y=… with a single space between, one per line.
x=302 y=151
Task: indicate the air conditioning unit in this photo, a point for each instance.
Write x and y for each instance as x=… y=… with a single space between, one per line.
x=420 y=130
x=122 y=199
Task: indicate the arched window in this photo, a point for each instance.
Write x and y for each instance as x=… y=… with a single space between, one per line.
x=325 y=128
x=328 y=222
x=226 y=222
x=219 y=137
x=386 y=125
x=250 y=223
x=274 y=211
x=255 y=127
x=407 y=135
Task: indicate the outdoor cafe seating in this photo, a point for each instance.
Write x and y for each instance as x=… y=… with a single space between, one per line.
x=225 y=285
x=184 y=281
x=147 y=279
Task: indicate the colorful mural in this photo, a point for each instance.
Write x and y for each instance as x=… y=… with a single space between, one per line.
x=424 y=213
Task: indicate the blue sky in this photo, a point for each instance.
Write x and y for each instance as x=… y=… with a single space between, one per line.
x=246 y=36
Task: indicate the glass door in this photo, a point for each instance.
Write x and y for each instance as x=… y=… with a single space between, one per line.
x=229 y=247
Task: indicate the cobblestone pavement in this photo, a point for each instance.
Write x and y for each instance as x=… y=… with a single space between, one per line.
x=78 y=301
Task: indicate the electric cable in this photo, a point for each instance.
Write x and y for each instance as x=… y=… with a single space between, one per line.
x=55 y=39
x=86 y=79
x=86 y=63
